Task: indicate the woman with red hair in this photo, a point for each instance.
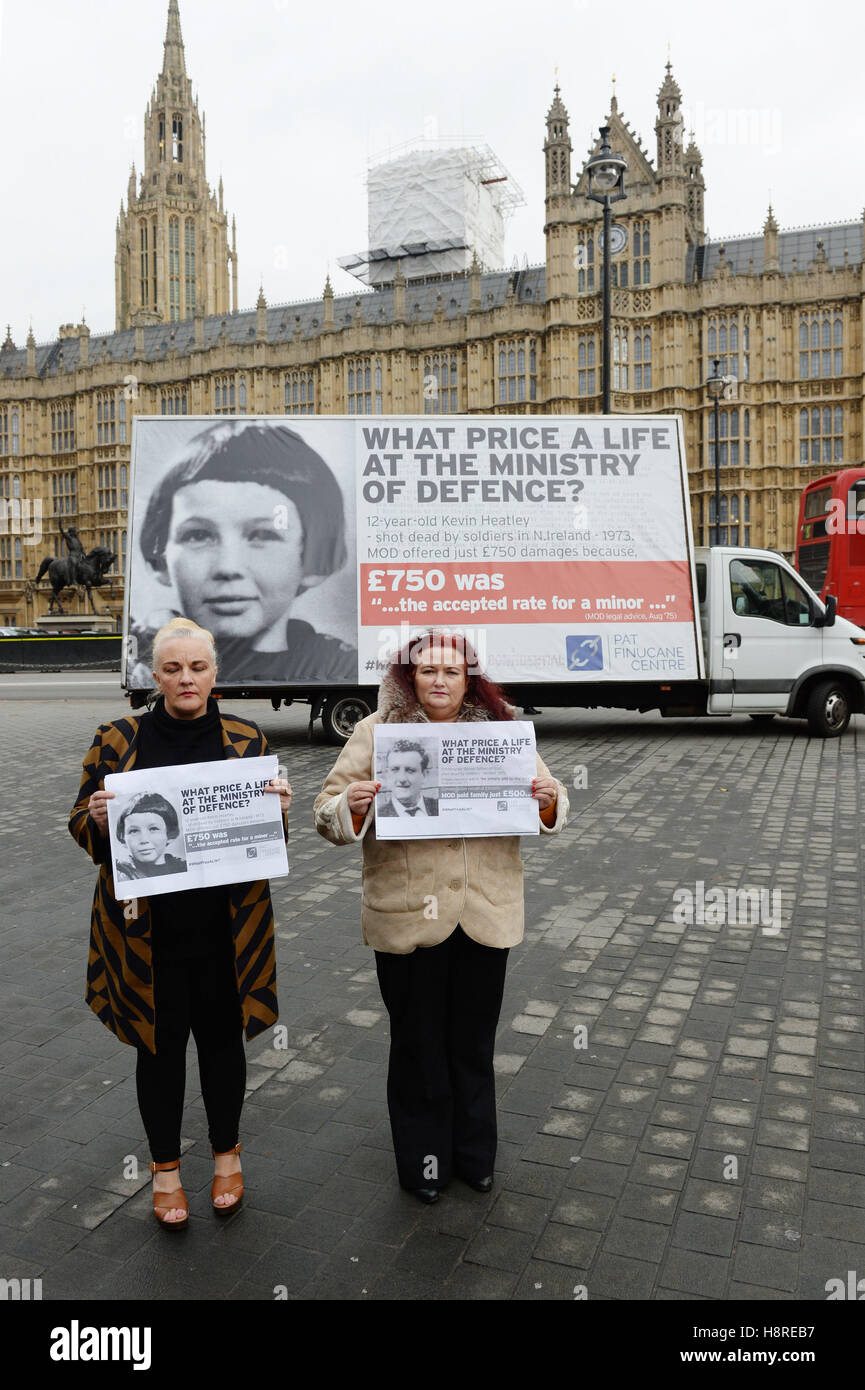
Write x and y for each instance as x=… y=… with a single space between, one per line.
x=441 y=916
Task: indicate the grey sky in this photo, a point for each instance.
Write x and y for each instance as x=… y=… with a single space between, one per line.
x=297 y=96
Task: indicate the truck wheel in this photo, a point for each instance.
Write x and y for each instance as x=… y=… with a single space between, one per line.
x=340 y=714
x=828 y=709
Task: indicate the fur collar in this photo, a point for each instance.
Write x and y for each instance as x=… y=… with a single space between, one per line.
x=396 y=707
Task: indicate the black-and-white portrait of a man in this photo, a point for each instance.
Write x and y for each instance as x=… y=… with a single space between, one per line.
x=406 y=787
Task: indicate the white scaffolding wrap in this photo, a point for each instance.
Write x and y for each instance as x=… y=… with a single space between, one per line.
x=432 y=209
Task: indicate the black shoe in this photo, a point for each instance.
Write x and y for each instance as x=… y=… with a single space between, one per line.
x=480 y=1184
x=428 y=1195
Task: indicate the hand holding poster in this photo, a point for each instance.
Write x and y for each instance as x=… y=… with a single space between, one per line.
x=195 y=826
x=455 y=780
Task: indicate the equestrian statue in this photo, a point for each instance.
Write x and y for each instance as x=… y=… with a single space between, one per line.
x=77 y=569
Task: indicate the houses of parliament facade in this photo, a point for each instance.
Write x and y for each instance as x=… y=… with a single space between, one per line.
x=781 y=311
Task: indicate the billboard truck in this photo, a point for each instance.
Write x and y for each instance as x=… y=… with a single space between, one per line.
x=561 y=546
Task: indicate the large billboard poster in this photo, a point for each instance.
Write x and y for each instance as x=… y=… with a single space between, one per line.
x=247 y=525
x=313 y=547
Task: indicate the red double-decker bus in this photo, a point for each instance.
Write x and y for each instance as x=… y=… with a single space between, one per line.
x=830 y=540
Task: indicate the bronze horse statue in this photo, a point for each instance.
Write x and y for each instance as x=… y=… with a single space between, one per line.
x=73 y=571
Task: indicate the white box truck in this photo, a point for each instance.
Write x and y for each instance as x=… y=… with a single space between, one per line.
x=313 y=547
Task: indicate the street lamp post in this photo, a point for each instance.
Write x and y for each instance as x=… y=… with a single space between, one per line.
x=606 y=176
x=716 y=386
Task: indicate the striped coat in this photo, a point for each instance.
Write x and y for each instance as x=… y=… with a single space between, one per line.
x=120 y=967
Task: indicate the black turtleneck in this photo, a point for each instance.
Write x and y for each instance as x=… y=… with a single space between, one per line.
x=194 y=921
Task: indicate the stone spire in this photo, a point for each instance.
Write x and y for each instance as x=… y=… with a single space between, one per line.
x=172 y=241
x=327 y=306
x=475 y=303
x=770 y=244
x=669 y=127
x=399 y=295
x=174 y=59
x=696 y=189
x=261 y=315
x=557 y=148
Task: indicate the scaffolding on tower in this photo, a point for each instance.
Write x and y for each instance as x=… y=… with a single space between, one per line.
x=432 y=206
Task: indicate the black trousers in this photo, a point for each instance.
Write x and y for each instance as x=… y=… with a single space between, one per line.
x=444 y=1003
x=197 y=995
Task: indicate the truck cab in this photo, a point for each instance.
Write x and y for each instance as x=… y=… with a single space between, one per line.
x=771 y=646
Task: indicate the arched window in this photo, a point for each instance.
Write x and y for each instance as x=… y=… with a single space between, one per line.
x=515 y=384
x=189 y=253
x=153 y=262
x=828 y=335
x=174 y=268
x=144 y=273
x=177 y=138
x=821 y=434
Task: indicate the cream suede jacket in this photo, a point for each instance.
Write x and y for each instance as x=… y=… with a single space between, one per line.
x=415 y=892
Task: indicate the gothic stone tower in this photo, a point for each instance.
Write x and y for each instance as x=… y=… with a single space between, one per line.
x=173 y=259
x=663 y=221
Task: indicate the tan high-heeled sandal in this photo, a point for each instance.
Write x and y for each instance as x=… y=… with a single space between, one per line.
x=232 y=1183
x=163 y=1202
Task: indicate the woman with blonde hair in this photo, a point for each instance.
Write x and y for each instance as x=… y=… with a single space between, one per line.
x=199 y=960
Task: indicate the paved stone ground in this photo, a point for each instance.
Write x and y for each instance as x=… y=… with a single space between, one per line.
x=707 y=1142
